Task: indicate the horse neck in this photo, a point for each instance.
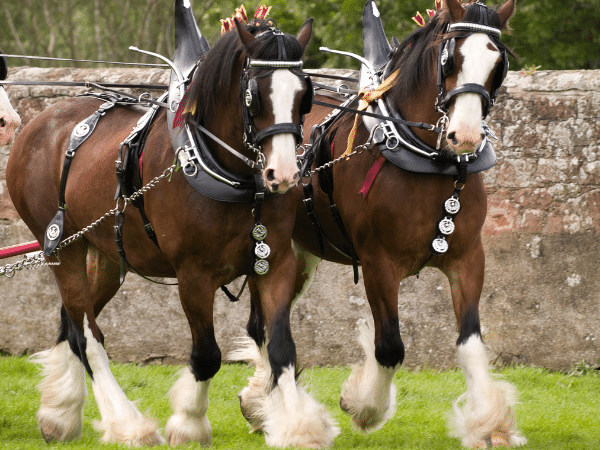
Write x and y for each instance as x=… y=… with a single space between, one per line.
x=419 y=106
x=226 y=122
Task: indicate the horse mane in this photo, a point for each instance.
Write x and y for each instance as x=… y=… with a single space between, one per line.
x=416 y=54
x=214 y=73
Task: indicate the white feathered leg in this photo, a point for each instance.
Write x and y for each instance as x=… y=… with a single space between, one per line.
x=369 y=394
x=252 y=397
x=63 y=390
x=286 y=413
x=189 y=399
x=295 y=419
x=121 y=420
x=484 y=413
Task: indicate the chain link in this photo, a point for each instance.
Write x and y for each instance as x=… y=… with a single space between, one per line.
x=38 y=260
x=357 y=151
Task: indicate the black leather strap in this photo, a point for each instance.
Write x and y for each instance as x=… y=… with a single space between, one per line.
x=309 y=203
x=279 y=128
x=472 y=88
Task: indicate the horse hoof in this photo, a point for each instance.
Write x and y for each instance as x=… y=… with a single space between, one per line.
x=252 y=410
x=495 y=440
x=48 y=438
x=52 y=431
x=182 y=429
x=344 y=406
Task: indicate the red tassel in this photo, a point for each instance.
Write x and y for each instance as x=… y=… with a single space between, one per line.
x=262 y=12
x=419 y=19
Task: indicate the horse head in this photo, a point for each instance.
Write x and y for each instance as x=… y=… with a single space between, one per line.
x=457 y=63
x=9 y=119
x=249 y=92
x=472 y=64
x=277 y=98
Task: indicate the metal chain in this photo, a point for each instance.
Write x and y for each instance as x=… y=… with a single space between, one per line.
x=38 y=260
x=357 y=151
x=29 y=262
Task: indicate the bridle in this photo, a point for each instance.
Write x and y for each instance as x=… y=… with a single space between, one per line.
x=251 y=104
x=445 y=66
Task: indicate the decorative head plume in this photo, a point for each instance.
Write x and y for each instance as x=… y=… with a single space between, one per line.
x=240 y=13
x=189 y=108
x=420 y=20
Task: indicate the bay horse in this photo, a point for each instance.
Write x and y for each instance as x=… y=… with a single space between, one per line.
x=9 y=119
x=204 y=243
x=390 y=215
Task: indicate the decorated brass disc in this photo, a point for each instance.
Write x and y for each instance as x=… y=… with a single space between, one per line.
x=262 y=250
x=440 y=245
x=82 y=129
x=261 y=266
x=53 y=232
x=446 y=226
x=259 y=232
x=452 y=205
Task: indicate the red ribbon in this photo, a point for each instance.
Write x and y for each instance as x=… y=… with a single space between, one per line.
x=371 y=174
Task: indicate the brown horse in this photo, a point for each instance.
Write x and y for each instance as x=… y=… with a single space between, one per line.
x=202 y=242
x=9 y=119
x=390 y=215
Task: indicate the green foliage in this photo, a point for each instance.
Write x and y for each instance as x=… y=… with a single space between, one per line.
x=546 y=33
x=556 y=411
x=555 y=34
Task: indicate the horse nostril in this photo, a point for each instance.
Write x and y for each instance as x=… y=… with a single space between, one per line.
x=270 y=175
x=452 y=137
x=296 y=176
x=2 y=123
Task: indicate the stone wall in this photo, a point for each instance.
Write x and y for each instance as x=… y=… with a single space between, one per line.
x=541 y=299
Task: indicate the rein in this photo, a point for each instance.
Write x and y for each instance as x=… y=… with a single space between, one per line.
x=421 y=125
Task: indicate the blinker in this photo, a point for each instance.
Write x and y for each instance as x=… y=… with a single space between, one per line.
x=3 y=68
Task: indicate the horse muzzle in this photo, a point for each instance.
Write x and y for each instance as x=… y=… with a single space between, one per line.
x=9 y=122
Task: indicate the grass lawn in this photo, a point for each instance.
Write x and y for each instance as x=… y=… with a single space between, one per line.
x=556 y=411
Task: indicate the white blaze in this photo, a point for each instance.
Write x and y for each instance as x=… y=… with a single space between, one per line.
x=284 y=87
x=479 y=62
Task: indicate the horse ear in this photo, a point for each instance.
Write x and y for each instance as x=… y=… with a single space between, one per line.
x=305 y=33
x=506 y=12
x=457 y=12
x=245 y=36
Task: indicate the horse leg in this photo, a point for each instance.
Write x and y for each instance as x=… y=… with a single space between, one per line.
x=483 y=415
x=63 y=387
x=121 y=421
x=291 y=416
x=252 y=349
x=189 y=395
x=369 y=394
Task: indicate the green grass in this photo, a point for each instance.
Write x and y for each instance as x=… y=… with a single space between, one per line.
x=556 y=411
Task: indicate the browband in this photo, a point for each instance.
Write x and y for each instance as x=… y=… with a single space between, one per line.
x=467 y=26
x=260 y=63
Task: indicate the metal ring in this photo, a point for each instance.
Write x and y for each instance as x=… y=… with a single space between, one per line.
x=194 y=169
x=145 y=102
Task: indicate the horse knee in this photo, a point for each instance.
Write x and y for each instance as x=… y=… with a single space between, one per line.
x=389 y=350
x=205 y=359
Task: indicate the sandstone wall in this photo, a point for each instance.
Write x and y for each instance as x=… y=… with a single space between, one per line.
x=541 y=300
